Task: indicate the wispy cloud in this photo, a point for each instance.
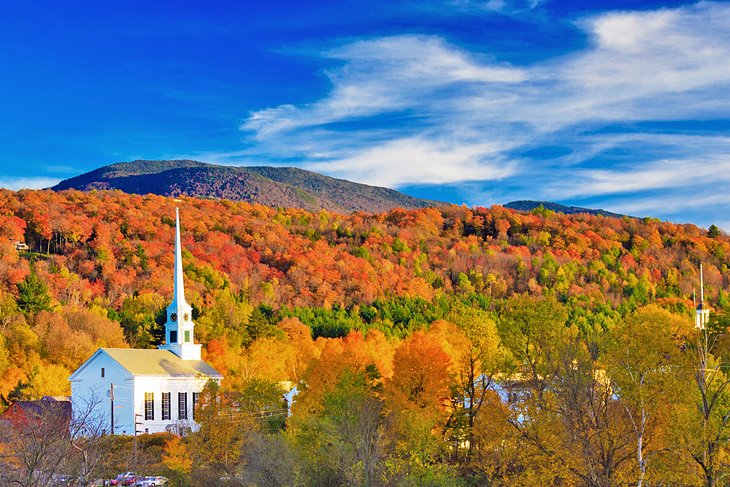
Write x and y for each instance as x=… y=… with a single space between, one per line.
x=385 y=76
x=677 y=173
x=508 y=7
x=671 y=202
x=407 y=161
x=418 y=109
x=28 y=183
x=695 y=161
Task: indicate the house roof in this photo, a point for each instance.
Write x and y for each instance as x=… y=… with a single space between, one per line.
x=38 y=407
x=157 y=363
x=30 y=412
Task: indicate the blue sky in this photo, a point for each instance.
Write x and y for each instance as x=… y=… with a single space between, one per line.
x=620 y=105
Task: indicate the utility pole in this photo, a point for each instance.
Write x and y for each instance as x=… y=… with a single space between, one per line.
x=111 y=399
x=137 y=417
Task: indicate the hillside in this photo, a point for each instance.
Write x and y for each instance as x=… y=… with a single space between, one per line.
x=108 y=247
x=366 y=308
x=528 y=205
x=271 y=186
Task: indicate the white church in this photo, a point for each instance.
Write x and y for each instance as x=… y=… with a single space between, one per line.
x=156 y=389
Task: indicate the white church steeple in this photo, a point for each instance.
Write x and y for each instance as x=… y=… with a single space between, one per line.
x=702 y=314
x=179 y=326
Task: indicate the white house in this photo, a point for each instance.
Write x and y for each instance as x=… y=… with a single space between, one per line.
x=156 y=389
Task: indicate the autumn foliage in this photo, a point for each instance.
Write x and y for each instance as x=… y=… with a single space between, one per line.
x=428 y=346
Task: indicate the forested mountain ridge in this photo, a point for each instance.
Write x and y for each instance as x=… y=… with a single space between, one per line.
x=528 y=205
x=272 y=186
x=387 y=321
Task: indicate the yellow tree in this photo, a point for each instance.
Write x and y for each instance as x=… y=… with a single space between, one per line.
x=706 y=430
x=476 y=357
x=643 y=364
x=336 y=420
x=302 y=347
x=532 y=329
x=177 y=459
x=216 y=446
x=565 y=409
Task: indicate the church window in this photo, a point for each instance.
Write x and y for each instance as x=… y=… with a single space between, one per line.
x=182 y=405
x=165 y=405
x=173 y=336
x=187 y=336
x=196 y=399
x=102 y=371
x=149 y=405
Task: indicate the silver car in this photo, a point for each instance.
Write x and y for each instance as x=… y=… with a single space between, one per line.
x=150 y=481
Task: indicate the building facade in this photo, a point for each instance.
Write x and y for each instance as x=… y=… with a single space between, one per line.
x=128 y=391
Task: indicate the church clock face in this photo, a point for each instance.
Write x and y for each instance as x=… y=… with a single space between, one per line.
x=186 y=317
x=173 y=317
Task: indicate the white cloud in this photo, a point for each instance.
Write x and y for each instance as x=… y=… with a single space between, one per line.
x=381 y=76
x=463 y=115
x=27 y=183
x=407 y=161
x=640 y=61
x=634 y=31
x=662 y=174
x=670 y=203
x=696 y=161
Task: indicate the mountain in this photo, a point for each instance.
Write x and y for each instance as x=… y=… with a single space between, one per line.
x=528 y=205
x=271 y=186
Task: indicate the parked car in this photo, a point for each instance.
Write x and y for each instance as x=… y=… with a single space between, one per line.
x=125 y=479
x=150 y=481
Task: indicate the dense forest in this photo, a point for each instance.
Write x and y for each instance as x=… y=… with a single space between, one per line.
x=437 y=346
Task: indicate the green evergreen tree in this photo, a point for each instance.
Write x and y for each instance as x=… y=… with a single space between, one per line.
x=33 y=294
x=143 y=259
x=713 y=231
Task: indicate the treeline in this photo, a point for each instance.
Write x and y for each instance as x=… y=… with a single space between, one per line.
x=521 y=395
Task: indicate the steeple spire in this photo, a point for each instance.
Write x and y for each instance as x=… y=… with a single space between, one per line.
x=179 y=336
x=179 y=286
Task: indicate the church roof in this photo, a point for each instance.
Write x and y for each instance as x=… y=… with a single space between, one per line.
x=159 y=363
